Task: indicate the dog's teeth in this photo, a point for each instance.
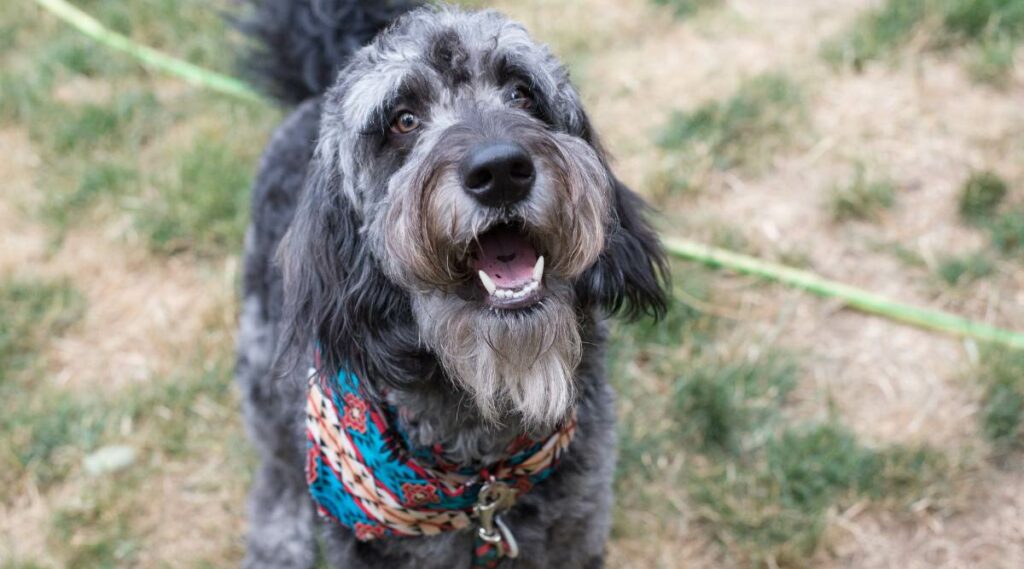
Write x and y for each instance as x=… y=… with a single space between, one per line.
x=538 y=269
x=488 y=283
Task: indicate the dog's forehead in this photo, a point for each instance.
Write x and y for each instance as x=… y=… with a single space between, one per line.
x=444 y=49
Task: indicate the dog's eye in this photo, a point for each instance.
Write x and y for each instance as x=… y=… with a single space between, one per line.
x=521 y=98
x=404 y=123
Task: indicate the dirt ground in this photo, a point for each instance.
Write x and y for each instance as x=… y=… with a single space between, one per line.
x=919 y=118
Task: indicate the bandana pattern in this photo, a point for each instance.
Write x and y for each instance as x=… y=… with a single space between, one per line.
x=362 y=474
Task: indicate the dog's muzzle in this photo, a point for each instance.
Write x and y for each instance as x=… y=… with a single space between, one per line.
x=499 y=175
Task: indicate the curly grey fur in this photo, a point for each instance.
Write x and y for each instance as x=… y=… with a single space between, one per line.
x=373 y=268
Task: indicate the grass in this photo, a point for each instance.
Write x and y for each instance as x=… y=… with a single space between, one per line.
x=685 y=8
x=992 y=26
x=130 y=150
x=1007 y=232
x=981 y=196
x=863 y=198
x=992 y=60
x=770 y=507
x=47 y=433
x=89 y=537
x=742 y=131
x=723 y=401
x=92 y=125
x=1001 y=372
x=705 y=420
x=205 y=207
x=710 y=424
x=124 y=150
x=980 y=203
x=877 y=32
x=965 y=269
x=32 y=312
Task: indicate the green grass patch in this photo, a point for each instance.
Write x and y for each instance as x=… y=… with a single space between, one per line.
x=125 y=140
x=655 y=349
x=205 y=208
x=46 y=433
x=980 y=202
x=863 y=198
x=100 y=180
x=191 y=29
x=77 y=55
x=1001 y=372
x=994 y=25
x=964 y=269
x=686 y=8
x=981 y=196
x=32 y=312
x=992 y=61
x=718 y=403
x=706 y=425
x=1007 y=232
x=80 y=128
x=744 y=130
x=770 y=507
x=88 y=535
x=877 y=32
x=20 y=95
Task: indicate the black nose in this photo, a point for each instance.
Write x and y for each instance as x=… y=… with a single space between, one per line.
x=498 y=174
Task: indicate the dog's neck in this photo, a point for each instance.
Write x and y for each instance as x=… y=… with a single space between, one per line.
x=435 y=413
x=445 y=419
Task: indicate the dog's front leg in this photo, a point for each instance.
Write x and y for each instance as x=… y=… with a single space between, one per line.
x=281 y=518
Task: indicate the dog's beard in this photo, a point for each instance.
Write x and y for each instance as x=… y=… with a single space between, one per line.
x=518 y=366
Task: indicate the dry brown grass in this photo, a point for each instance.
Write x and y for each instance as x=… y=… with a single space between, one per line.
x=919 y=119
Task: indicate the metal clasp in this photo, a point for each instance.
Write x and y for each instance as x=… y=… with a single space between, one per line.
x=495 y=499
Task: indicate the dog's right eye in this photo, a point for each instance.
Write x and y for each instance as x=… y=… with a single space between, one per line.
x=404 y=123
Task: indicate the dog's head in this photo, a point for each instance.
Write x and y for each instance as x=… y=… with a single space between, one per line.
x=458 y=183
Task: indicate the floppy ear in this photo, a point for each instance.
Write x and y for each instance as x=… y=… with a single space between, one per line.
x=631 y=276
x=335 y=293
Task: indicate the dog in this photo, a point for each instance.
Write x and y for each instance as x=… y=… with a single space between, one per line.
x=436 y=241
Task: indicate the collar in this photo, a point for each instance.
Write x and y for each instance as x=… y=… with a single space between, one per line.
x=362 y=474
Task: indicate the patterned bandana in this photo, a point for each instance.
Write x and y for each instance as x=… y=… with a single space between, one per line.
x=363 y=474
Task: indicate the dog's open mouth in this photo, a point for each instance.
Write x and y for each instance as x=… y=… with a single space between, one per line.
x=509 y=268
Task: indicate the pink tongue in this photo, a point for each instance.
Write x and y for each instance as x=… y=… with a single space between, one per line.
x=507 y=257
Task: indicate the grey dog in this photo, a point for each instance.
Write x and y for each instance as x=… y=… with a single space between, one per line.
x=438 y=216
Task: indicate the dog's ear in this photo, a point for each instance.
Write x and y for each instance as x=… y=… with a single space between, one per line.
x=335 y=292
x=631 y=277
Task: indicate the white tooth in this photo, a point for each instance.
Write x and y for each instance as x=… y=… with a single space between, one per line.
x=519 y=294
x=488 y=283
x=500 y=293
x=538 y=269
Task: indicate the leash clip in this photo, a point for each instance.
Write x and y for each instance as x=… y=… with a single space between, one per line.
x=494 y=500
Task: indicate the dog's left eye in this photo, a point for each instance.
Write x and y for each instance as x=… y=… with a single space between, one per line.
x=404 y=123
x=521 y=98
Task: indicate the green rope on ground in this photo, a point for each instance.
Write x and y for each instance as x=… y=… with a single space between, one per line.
x=148 y=56
x=853 y=297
